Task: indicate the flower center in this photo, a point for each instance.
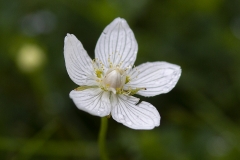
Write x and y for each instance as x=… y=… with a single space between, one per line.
x=114 y=79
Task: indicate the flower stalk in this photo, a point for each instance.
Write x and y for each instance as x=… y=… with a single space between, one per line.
x=102 y=138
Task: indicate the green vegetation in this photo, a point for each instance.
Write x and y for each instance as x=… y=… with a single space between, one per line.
x=200 y=117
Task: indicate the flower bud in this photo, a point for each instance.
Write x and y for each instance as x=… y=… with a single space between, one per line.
x=113 y=79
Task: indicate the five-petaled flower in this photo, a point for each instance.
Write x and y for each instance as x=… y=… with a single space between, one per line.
x=107 y=83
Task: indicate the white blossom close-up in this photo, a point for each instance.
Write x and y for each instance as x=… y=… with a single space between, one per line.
x=108 y=82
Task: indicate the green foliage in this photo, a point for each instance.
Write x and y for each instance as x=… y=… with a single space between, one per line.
x=199 y=117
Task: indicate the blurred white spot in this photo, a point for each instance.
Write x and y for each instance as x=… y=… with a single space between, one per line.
x=217 y=146
x=30 y=58
x=41 y=22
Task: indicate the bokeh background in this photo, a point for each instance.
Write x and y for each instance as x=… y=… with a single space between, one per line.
x=200 y=116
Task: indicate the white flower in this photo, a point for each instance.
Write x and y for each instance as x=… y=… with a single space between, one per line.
x=108 y=82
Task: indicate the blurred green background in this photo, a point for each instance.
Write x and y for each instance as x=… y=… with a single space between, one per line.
x=200 y=116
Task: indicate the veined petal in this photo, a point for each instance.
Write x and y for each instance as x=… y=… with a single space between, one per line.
x=117 y=44
x=94 y=101
x=136 y=116
x=78 y=63
x=155 y=77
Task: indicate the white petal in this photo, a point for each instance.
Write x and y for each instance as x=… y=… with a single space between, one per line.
x=94 y=101
x=156 y=77
x=118 y=43
x=78 y=63
x=141 y=116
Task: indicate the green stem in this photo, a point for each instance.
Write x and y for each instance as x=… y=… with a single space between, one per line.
x=102 y=138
